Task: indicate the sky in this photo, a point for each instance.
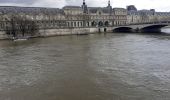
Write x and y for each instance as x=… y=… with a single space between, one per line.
x=159 y=5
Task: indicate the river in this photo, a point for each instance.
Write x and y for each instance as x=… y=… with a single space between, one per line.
x=112 y=66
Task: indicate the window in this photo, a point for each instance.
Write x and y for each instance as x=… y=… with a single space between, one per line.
x=74 y=24
x=78 y=24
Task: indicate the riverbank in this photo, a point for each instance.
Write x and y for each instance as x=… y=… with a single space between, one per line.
x=71 y=31
x=64 y=31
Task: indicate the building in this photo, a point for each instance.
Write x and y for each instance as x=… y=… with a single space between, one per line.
x=135 y=16
x=68 y=16
x=82 y=16
x=120 y=16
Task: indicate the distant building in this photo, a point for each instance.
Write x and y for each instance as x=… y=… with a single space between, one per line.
x=135 y=16
x=131 y=8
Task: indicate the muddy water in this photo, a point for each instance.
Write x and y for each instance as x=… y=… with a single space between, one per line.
x=92 y=67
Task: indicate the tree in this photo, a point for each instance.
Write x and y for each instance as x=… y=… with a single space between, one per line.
x=20 y=27
x=11 y=26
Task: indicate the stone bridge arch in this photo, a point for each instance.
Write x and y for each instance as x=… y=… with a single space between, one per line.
x=123 y=29
x=152 y=28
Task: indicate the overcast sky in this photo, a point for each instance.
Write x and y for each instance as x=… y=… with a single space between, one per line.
x=159 y=5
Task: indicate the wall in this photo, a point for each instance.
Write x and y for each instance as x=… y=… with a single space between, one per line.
x=3 y=35
x=72 y=31
x=66 y=31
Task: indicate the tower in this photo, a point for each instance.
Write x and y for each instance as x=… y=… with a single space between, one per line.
x=84 y=7
x=109 y=3
x=109 y=7
x=84 y=3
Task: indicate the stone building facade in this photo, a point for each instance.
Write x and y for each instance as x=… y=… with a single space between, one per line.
x=84 y=16
x=135 y=16
x=67 y=17
x=81 y=16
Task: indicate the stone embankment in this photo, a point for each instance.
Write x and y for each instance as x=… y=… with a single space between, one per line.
x=64 y=31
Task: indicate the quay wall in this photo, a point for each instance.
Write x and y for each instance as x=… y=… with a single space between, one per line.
x=64 y=31
x=72 y=31
x=3 y=35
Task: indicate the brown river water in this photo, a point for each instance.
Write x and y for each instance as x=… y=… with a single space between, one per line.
x=113 y=66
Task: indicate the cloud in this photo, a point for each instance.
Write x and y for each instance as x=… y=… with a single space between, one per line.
x=18 y=1
x=159 y=5
x=50 y=3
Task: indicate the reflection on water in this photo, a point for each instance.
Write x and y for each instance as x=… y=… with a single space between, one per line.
x=93 y=67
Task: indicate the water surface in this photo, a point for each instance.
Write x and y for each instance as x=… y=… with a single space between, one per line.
x=91 y=67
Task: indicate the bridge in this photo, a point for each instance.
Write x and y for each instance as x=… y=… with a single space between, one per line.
x=142 y=27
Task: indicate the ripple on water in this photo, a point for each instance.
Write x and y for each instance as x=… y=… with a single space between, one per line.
x=92 y=67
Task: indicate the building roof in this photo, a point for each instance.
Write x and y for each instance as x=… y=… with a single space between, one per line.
x=29 y=10
x=95 y=9
x=131 y=8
